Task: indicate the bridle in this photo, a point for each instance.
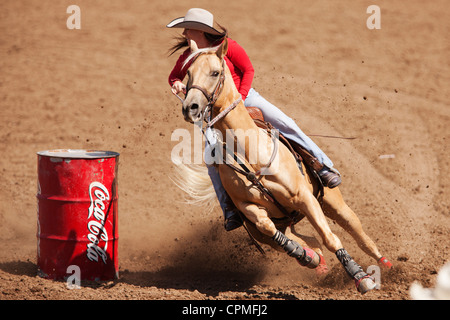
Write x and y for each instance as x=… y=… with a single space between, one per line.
x=212 y=98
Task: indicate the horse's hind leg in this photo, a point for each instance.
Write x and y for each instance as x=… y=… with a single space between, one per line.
x=309 y=206
x=336 y=209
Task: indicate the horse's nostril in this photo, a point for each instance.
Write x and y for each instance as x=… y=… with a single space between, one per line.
x=194 y=106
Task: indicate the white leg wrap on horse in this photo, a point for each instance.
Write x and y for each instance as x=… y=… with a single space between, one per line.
x=292 y=248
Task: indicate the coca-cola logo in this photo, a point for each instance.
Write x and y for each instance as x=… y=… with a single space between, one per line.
x=98 y=194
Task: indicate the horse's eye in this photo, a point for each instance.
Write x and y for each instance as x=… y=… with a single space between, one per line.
x=214 y=73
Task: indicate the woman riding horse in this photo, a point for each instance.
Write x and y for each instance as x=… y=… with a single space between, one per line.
x=198 y=26
x=265 y=193
x=254 y=193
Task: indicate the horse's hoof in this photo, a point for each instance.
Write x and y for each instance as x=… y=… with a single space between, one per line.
x=311 y=259
x=365 y=284
x=316 y=262
x=385 y=263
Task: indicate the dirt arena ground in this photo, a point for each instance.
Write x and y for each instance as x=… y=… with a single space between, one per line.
x=105 y=87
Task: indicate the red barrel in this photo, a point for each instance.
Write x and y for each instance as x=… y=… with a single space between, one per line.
x=77 y=214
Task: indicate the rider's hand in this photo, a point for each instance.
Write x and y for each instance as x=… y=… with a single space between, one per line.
x=178 y=87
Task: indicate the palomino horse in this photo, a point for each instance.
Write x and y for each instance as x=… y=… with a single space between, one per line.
x=215 y=92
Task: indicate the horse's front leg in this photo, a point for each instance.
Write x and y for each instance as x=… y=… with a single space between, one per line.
x=259 y=217
x=312 y=243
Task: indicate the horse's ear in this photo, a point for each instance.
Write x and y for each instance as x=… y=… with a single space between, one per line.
x=193 y=45
x=222 y=51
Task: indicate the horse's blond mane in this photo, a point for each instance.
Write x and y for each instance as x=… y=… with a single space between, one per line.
x=200 y=51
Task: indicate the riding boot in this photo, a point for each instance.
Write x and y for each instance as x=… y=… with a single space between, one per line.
x=329 y=178
x=233 y=219
x=231 y=214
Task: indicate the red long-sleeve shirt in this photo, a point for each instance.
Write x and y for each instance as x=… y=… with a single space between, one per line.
x=237 y=61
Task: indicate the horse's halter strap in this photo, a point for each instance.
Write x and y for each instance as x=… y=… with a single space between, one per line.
x=224 y=112
x=211 y=98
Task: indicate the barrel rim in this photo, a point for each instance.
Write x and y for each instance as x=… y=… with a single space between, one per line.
x=78 y=154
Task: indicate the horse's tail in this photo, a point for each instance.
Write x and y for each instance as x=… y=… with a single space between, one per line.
x=195 y=182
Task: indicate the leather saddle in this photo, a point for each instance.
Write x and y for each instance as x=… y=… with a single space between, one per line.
x=298 y=151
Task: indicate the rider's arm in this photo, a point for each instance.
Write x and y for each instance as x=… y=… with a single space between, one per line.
x=178 y=72
x=239 y=58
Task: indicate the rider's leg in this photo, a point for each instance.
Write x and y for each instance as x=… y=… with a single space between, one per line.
x=291 y=131
x=230 y=212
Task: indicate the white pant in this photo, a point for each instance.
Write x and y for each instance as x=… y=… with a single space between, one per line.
x=286 y=126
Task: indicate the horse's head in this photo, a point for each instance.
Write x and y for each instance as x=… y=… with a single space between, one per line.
x=206 y=74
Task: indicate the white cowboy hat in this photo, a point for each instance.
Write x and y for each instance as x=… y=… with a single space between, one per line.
x=197 y=19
